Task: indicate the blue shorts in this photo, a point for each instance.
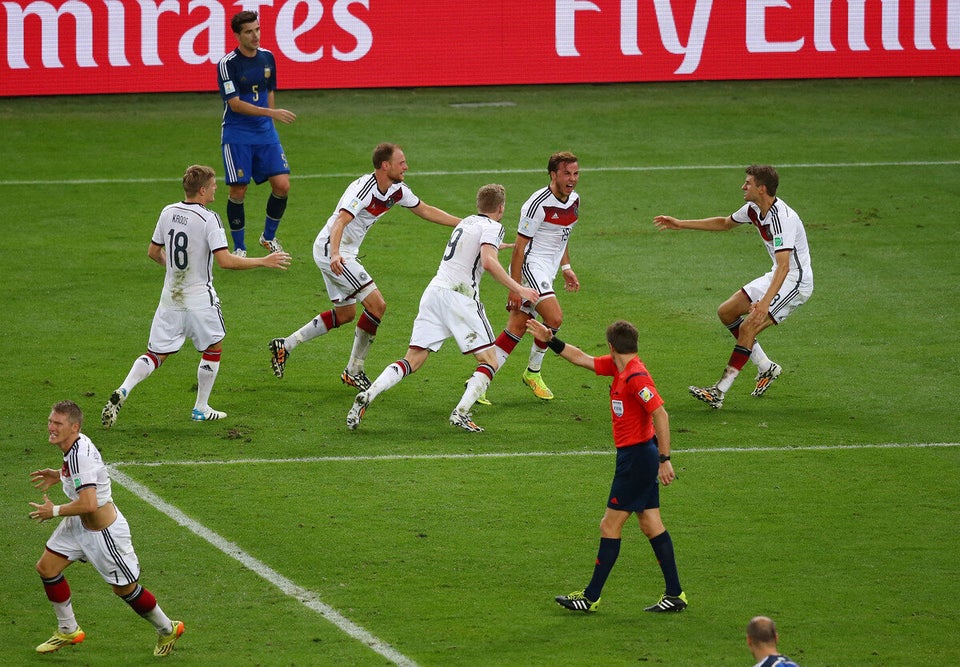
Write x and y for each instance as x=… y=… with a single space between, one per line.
x=243 y=162
x=635 y=486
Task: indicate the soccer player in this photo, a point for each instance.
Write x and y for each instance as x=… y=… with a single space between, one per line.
x=247 y=79
x=546 y=220
x=451 y=308
x=772 y=297
x=92 y=530
x=186 y=241
x=641 y=434
x=335 y=251
x=762 y=641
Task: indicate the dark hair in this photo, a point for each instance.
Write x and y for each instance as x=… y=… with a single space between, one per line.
x=70 y=410
x=623 y=337
x=236 y=23
x=382 y=153
x=557 y=159
x=764 y=174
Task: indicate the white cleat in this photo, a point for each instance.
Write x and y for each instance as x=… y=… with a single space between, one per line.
x=207 y=414
x=357 y=410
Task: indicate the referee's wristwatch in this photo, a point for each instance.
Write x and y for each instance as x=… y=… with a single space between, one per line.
x=664 y=458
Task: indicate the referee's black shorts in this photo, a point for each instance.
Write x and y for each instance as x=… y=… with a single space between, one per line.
x=635 y=486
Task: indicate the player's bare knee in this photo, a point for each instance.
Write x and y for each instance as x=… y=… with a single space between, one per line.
x=46 y=570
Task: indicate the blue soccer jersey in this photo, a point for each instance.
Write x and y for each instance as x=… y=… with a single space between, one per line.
x=252 y=79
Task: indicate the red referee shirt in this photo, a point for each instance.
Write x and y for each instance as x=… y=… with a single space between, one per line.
x=633 y=397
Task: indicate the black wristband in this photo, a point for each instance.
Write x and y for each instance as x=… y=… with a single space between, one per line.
x=556 y=345
x=664 y=459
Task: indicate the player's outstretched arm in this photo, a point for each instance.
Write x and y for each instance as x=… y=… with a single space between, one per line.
x=434 y=214
x=569 y=352
x=275 y=260
x=715 y=224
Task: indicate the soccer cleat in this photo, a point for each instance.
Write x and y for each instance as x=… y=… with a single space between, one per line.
x=357 y=410
x=535 y=382
x=357 y=380
x=577 y=601
x=764 y=378
x=273 y=245
x=110 y=411
x=278 y=356
x=165 y=642
x=464 y=420
x=669 y=603
x=709 y=395
x=61 y=639
x=240 y=252
x=207 y=414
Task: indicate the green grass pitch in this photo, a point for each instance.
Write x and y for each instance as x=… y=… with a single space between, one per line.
x=281 y=538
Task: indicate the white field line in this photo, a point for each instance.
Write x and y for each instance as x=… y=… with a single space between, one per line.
x=475 y=172
x=510 y=455
x=307 y=598
x=310 y=599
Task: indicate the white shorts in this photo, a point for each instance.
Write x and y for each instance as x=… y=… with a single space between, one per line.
x=353 y=285
x=540 y=277
x=171 y=327
x=791 y=296
x=444 y=314
x=109 y=550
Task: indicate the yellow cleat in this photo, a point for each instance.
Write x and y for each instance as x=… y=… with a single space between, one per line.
x=61 y=639
x=165 y=642
x=535 y=382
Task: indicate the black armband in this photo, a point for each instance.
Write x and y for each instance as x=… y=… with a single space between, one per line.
x=556 y=345
x=664 y=458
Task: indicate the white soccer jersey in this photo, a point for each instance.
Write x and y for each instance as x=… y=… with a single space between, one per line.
x=363 y=200
x=191 y=233
x=781 y=229
x=547 y=222
x=460 y=269
x=83 y=467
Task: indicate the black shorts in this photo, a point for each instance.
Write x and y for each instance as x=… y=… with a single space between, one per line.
x=635 y=486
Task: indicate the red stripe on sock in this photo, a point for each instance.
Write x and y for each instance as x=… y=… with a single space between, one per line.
x=506 y=342
x=58 y=590
x=368 y=324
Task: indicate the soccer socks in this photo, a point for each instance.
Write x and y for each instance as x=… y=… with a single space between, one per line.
x=737 y=361
x=142 y=601
x=318 y=326
x=537 y=350
x=606 y=558
x=535 y=361
x=363 y=337
x=504 y=345
x=58 y=592
x=275 y=208
x=206 y=376
x=476 y=387
x=757 y=355
x=663 y=550
x=140 y=371
x=236 y=218
x=390 y=377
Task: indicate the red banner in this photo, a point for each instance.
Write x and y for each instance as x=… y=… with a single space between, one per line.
x=52 y=47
